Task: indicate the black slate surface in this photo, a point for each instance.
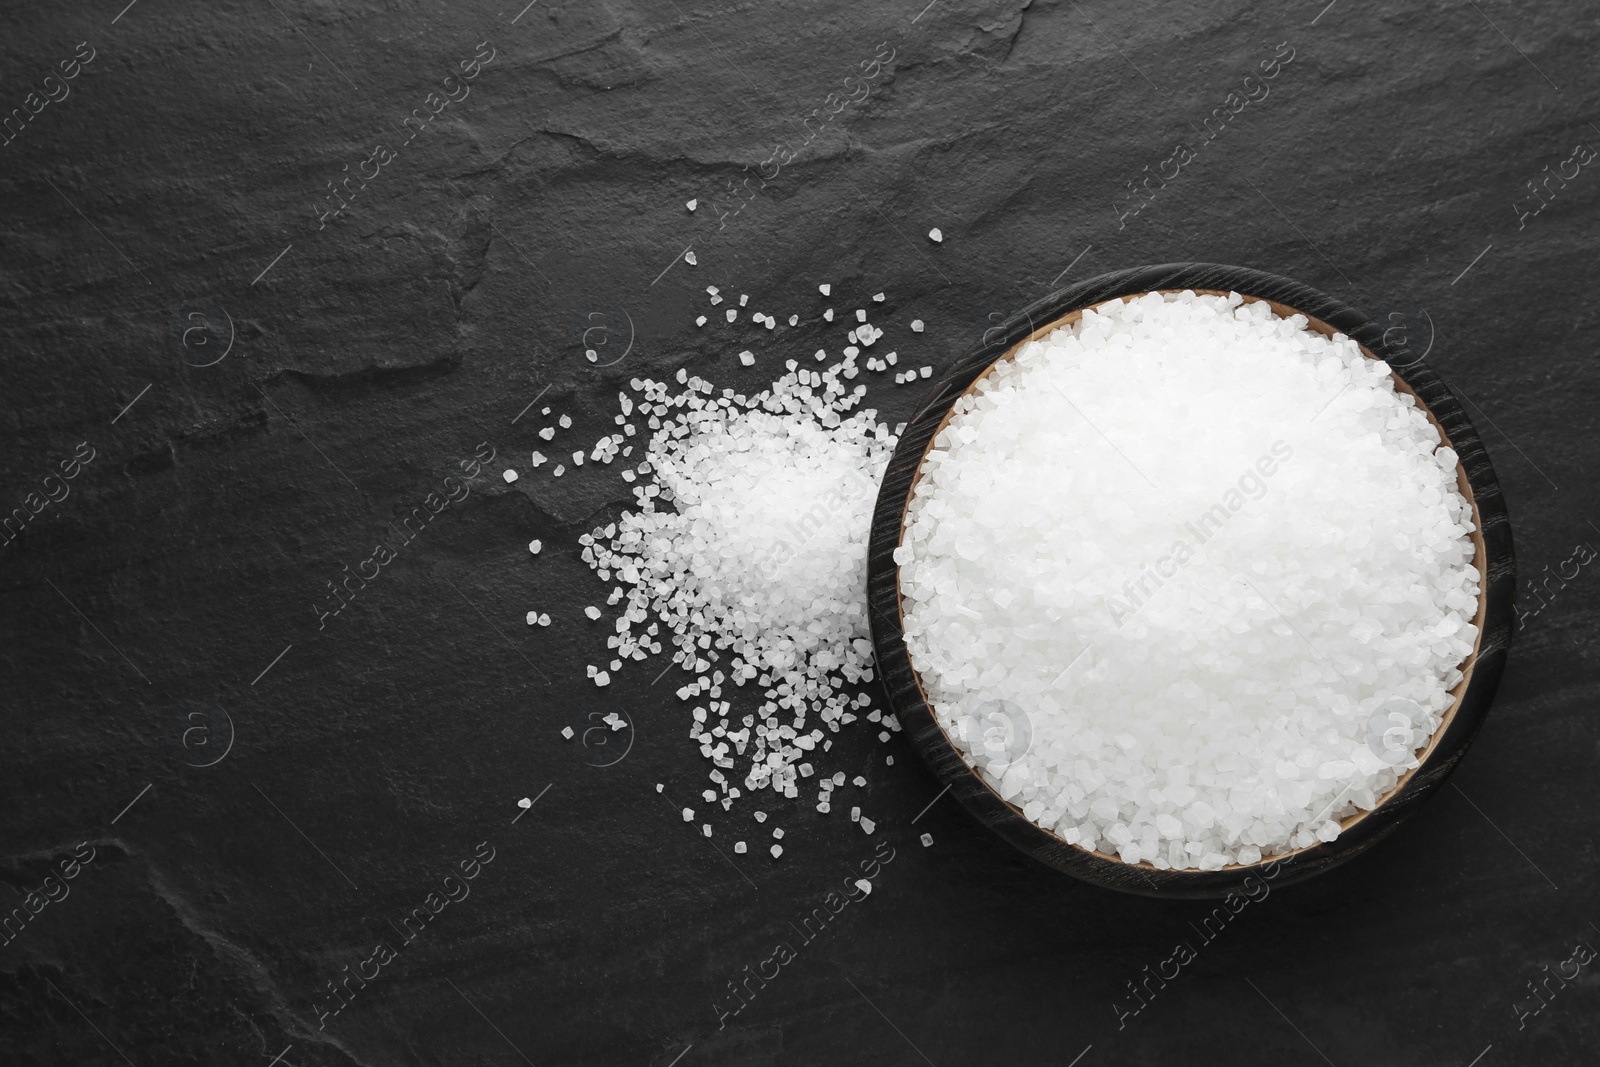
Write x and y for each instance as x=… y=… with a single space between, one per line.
x=259 y=390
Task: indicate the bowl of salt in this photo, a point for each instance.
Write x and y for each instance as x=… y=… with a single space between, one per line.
x=1190 y=578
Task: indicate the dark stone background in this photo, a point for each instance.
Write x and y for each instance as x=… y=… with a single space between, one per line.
x=365 y=359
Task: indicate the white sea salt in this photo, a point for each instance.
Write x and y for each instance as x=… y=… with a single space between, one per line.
x=934 y=235
x=535 y=545
x=1163 y=567
x=747 y=548
x=509 y=475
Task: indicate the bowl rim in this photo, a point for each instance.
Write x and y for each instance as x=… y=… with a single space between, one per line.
x=1493 y=555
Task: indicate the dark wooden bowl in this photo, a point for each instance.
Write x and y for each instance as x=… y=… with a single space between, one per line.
x=1474 y=475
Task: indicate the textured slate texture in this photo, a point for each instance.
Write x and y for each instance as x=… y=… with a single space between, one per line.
x=167 y=209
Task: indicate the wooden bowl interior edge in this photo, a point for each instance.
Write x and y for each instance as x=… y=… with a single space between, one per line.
x=1479 y=559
